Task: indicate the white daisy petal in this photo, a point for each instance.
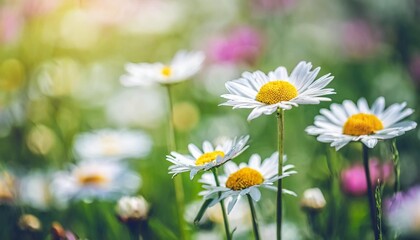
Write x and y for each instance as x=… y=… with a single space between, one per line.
x=363 y=105
x=207 y=147
x=231 y=167
x=378 y=106
x=255 y=194
x=255 y=161
x=369 y=142
x=256 y=112
x=194 y=150
x=232 y=203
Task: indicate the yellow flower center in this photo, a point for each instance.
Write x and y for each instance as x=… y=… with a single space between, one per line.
x=244 y=178
x=92 y=179
x=362 y=124
x=208 y=157
x=276 y=91
x=166 y=71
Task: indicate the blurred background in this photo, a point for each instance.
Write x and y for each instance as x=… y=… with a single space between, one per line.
x=60 y=63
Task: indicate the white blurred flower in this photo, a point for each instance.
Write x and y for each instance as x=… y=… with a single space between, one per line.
x=207 y=235
x=184 y=65
x=289 y=231
x=402 y=212
x=112 y=144
x=56 y=78
x=216 y=75
x=34 y=190
x=313 y=199
x=146 y=109
x=239 y=218
x=132 y=208
x=11 y=115
x=95 y=179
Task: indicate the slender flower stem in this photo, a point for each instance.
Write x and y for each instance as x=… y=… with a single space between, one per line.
x=396 y=161
x=222 y=205
x=134 y=232
x=179 y=191
x=254 y=218
x=371 y=196
x=280 y=141
x=334 y=188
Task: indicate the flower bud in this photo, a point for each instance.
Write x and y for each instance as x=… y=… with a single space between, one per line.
x=59 y=233
x=132 y=208
x=313 y=200
x=29 y=222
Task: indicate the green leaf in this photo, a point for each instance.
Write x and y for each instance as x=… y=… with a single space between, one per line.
x=161 y=230
x=202 y=211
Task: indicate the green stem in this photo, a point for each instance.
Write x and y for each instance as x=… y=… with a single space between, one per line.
x=254 y=218
x=371 y=196
x=396 y=161
x=334 y=187
x=179 y=192
x=314 y=224
x=222 y=205
x=280 y=141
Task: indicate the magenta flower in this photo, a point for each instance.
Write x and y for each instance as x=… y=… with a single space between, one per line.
x=11 y=25
x=242 y=45
x=353 y=179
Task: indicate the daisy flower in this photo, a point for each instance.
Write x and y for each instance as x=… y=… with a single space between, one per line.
x=95 y=179
x=184 y=65
x=245 y=179
x=112 y=144
x=350 y=122
x=267 y=93
x=208 y=158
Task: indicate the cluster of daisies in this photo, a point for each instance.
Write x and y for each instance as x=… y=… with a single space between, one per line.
x=101 y=171
x=266 y=94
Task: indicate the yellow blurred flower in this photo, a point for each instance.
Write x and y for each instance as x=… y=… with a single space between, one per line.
x=40 y=139
x=12 y=75
x=186 y=116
